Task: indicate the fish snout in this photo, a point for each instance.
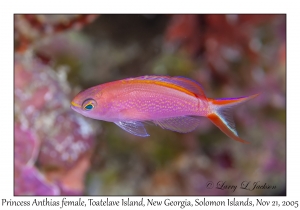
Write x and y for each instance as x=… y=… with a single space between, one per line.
x=75 y=106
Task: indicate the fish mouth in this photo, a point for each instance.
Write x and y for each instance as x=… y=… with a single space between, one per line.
x=73 y=104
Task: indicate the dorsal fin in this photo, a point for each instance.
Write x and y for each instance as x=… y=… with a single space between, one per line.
x=183 y=82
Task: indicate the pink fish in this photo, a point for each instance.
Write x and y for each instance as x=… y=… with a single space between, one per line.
x=173 y=103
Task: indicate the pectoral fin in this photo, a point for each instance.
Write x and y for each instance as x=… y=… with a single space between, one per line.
x=133 y=127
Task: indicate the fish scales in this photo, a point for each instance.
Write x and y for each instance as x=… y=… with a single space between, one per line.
x=148 y=102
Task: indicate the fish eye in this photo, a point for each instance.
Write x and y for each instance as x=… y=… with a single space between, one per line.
x=89 y=107
x=89 y=104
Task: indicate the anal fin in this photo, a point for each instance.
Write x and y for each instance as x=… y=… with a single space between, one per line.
x=182 y=124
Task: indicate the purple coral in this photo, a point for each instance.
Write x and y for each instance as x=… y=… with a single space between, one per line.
x=47 y=133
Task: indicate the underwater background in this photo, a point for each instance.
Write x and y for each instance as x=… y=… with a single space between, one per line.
x=60 y=152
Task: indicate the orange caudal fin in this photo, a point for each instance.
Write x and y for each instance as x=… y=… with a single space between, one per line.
x=222 y=117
